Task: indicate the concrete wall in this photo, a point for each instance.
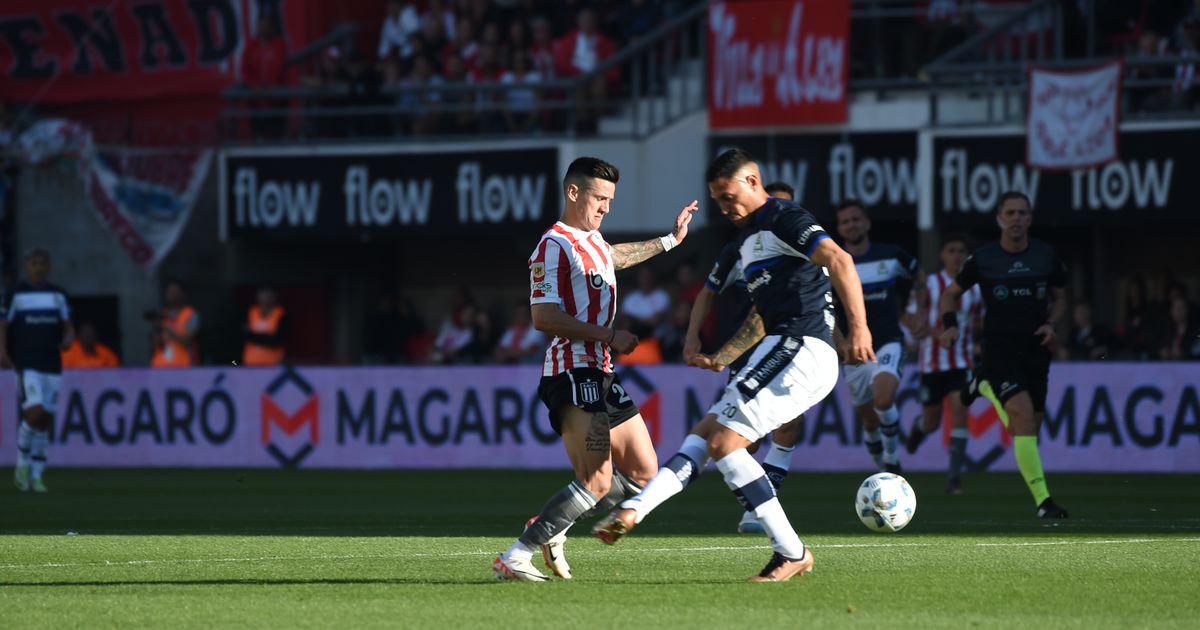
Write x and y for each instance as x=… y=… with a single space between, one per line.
x=52 y=212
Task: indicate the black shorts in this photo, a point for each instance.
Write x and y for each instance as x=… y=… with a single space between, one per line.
x=937 y=385
x=590 y=389
x=1011 y=373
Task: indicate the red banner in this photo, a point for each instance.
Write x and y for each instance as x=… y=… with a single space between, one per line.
x=72 y=51
x=778 y=62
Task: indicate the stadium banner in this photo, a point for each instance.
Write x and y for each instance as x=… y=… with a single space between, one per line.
x=778 y=62
x=143 y=197
x=1072 y=117
x=364 y=194
x=879 y=169
x=1149 y=185
x=75 y=51
x=1102 y=417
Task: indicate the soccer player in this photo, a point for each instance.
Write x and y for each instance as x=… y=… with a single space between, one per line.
x=726 y=280
x=888 y=274
x=945 y=372
x=40 y=319
x=789 y=263
x=1021 y=280
x=573 y=293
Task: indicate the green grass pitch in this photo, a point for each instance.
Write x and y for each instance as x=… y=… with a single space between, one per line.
x=316 y=549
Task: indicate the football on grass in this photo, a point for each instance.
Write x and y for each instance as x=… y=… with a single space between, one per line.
x=885 y=502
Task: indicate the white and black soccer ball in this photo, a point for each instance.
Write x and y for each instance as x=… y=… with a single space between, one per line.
x=885 y=502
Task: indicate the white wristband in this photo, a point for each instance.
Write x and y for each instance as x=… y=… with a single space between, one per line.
x=668 y=242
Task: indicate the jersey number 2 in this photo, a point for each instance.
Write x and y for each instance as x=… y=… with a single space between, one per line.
x=622 y=397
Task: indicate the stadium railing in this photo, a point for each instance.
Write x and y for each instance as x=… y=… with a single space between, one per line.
x=992 y=67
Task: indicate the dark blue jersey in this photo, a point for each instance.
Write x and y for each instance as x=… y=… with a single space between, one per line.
x=887 y=274
x=727 y=281
x=790 y=292
x=36 y=317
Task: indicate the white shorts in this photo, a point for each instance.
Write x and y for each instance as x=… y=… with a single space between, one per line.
x=784 y=377
x=860 y=378
x=39 y=389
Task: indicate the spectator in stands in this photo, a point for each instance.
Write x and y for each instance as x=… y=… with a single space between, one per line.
x=265 y=331
x=521 y=342
x=648 y=350
x=87 y=352
x=672 y=333
x=264 y=66
x=1182 y=341
x=489 y=35
x=635 y=19
x=1134 y=332
x=462 y=119
x=438 y=11
x=174 y=329
x=647 y=305
x=541 y=48
x=463 y=47
x=488 y=70
x=517 y=40
x=521 y=103
x=483 y=339
x=456 y=333
x=381 y=344
x=418 y=117
x=412 y=338
x=399 y=25
x=1150 y=97
x=434 y=29
x=579 y=52
x=1088 y=341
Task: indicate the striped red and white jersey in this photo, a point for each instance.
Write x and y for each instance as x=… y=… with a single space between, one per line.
x=932 y=356
x=574 y=269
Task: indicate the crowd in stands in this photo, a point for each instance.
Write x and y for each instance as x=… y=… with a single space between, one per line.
x=1160 y=325
x=431 y=44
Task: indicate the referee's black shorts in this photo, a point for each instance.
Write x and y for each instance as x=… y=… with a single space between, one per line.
x=935 y=386
x=590 y=389
x=1012 y=371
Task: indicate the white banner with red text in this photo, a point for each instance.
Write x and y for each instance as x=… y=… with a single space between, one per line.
x=1104 y=417
x=1073 y=117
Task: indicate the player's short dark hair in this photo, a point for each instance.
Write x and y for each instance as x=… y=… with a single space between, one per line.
x=954 y=238
x=851 y=203
x=589 y=168
x=175 y=281
x=36 y=252
x=728 y=164
x=777 y=187
x=1013 y=194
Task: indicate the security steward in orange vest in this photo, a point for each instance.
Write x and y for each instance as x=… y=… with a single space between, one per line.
x=266 y=327
x=86 y=351
x=175 y=330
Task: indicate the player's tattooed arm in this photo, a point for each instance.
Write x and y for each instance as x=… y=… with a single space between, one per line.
x=626 y=255
x=750 y=333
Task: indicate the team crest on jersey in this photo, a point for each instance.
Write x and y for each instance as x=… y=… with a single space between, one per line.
x=539 y=271
x=595 y=280
x=589 y=392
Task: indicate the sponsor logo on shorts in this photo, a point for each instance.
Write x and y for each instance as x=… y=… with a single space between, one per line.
x=589 y=392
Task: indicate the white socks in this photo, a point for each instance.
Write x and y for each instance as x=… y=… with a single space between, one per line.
x=889 y=426
x=24 y=444
x=671 y=479
x=749 y=483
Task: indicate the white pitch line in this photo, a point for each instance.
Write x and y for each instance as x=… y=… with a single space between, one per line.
x=1127 y=541
x=121 y=563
